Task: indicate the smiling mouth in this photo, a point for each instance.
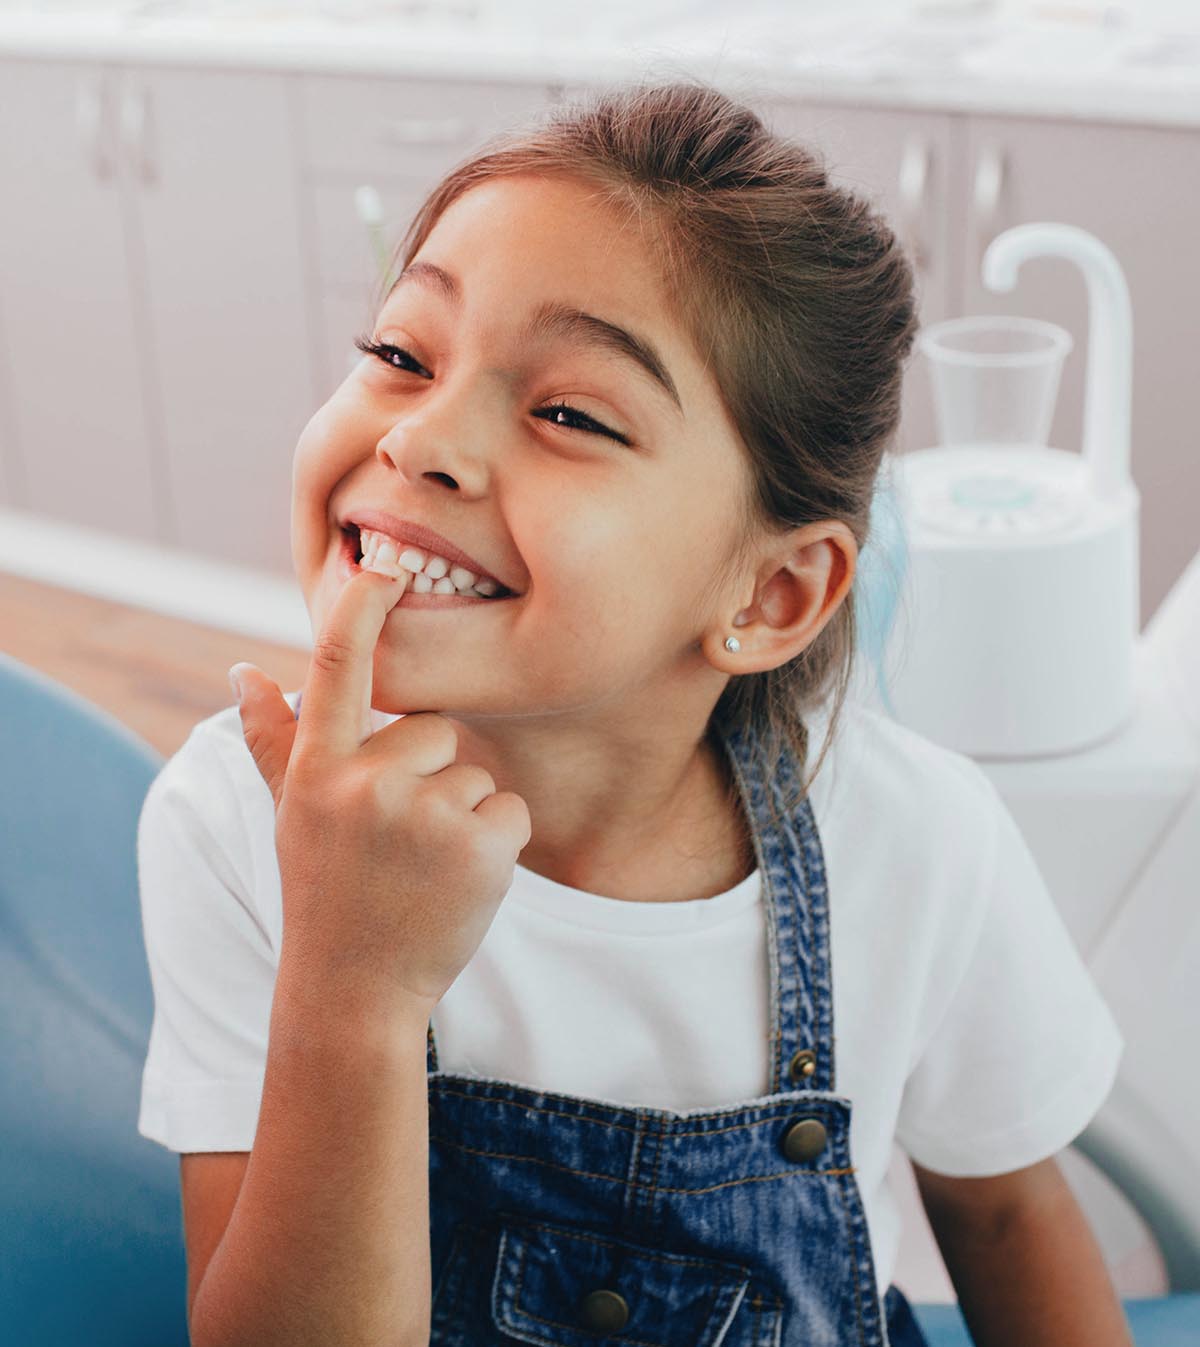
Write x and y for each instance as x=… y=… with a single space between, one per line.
x=352 y=536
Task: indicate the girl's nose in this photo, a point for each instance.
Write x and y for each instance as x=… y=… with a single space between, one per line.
x=446 y=436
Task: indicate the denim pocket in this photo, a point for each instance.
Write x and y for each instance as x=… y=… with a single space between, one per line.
x=561 y=1287
x=524 y=1281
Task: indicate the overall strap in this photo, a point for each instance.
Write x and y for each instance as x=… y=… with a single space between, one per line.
x=791 y=864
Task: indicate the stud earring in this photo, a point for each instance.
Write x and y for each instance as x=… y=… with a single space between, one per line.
x=732 y=643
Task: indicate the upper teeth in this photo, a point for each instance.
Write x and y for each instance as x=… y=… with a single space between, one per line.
x=430 y=572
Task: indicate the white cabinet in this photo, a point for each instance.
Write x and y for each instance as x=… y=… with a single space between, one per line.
x=183 y=272
x=224 y=294
x=152 y=298
x=81 y=438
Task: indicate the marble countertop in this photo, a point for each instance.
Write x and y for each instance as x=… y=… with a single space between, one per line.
x=1117 y=63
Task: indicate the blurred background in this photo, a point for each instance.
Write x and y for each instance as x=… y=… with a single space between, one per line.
x=199 y=201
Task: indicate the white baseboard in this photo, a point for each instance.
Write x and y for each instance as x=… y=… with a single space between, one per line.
x=164 y=580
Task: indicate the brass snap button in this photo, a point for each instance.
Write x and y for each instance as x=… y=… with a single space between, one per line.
x=803 y=1064
x=804 y=1139
x=604 y=1312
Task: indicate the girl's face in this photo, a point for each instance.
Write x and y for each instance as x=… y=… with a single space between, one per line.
x=610 y=520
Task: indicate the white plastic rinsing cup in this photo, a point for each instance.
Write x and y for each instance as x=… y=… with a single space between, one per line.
x=995 y=379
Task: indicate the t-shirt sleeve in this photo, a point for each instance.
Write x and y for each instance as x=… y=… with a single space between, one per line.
x=212 y=968
x=1026 y=1050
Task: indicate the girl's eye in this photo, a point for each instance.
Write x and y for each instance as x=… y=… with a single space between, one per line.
x=388 y=354
x=558 y=413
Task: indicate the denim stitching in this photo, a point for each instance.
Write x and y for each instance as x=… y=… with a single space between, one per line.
x=818 y=975
x=810 y=1101
x=632 y=1198
x=645 y=1187
x=767 y=1322
x=781 y=839
x=658 y=1155
x=807 y=954
x=857 y=1279
x=806 y=973
x=819 y=916
x=777 y=1327
x=736 y=744
x=607 y=1242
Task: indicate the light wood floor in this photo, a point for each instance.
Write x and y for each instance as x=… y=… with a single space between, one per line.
x=157 y=674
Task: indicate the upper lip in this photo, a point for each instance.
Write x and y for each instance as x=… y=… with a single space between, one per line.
x=419 y=535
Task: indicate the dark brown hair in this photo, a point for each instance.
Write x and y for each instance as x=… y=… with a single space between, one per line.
x=796 y=292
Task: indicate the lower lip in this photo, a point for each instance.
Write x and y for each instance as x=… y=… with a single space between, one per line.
x=347 y=566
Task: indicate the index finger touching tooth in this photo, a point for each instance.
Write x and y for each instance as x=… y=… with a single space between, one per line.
x=337 y=690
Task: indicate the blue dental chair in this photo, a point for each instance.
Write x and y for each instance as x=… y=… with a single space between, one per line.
x=91 y=1225
x=91 y=1229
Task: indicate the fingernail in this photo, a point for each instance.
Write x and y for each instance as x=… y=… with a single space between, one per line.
x=235 y=682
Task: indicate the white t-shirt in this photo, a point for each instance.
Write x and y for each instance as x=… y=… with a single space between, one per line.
x=968 y=1031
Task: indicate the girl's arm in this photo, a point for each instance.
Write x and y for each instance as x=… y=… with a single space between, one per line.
x=1023 y=1259
x=393 y=860
x=328 y=1242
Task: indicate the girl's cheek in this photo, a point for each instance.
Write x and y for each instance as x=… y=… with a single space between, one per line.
x=330 y=428
x=320 y=461
x=307 y=455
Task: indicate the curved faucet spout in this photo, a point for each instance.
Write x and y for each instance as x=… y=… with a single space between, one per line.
x=1107 y=411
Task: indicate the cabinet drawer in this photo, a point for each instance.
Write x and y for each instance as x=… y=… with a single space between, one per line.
x=405 y=126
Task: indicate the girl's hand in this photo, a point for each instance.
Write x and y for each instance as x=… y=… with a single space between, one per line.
x=393 y=858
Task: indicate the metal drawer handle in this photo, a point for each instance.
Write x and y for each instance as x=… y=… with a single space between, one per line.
x=913 y=184
x=368 y=206
x=989 y=185
x=89 y=111
x=423 y=130
x=135 y=116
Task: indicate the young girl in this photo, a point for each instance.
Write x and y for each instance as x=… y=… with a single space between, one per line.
x=526 y=986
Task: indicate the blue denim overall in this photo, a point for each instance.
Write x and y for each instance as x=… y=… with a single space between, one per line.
x=568 y=1222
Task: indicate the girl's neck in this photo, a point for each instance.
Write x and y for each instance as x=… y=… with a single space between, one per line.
x=702 y=850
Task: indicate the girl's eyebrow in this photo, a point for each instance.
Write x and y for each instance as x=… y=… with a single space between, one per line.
x=557 y=320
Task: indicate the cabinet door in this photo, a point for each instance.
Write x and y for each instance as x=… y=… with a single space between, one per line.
x=1137 y=189
x=78 y=444
x=218 y=210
